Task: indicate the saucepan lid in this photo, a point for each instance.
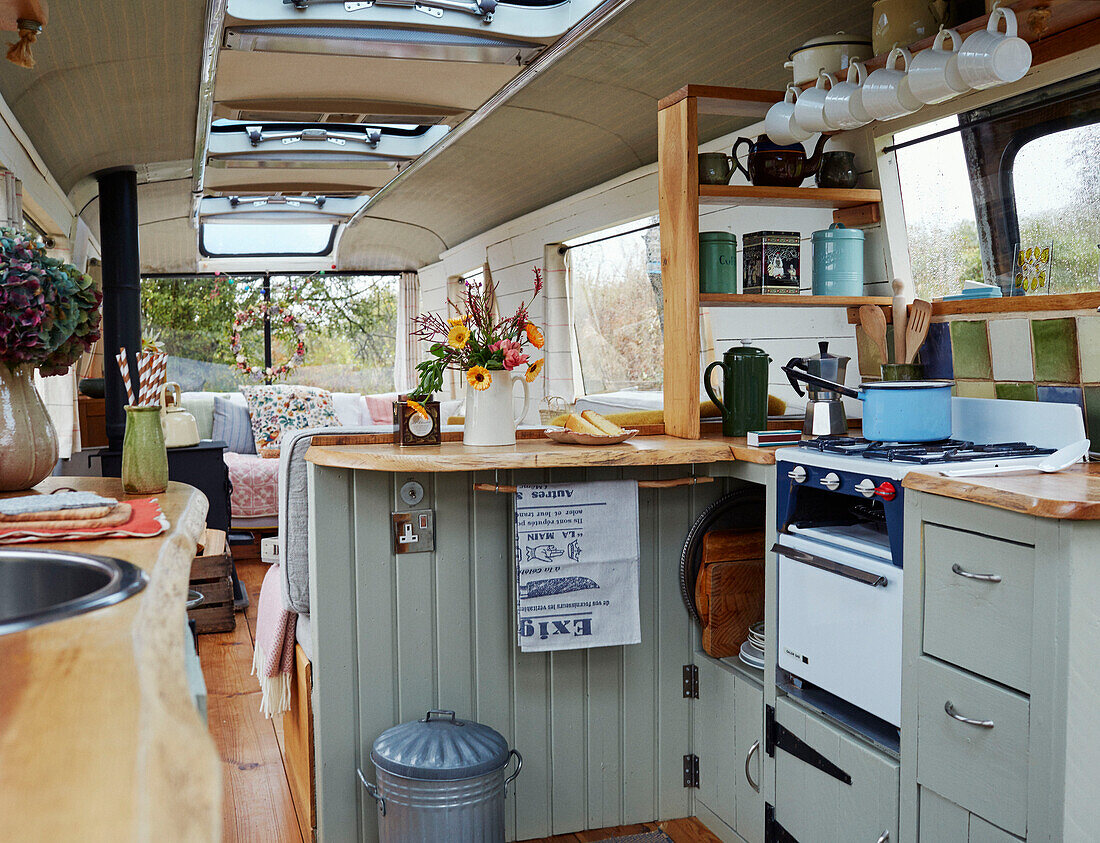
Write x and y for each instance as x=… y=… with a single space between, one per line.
x=936 y=384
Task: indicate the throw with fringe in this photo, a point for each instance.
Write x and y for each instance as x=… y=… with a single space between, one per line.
x=20 y=52
x=273 y=660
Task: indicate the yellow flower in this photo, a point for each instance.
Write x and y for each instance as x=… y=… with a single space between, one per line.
x=533 y=370
x=458 y=336
x=419 y=408
x=462 y=320
x=479 y=378
x=534 y=335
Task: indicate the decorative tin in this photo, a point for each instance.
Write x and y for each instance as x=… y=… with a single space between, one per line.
x=771 y=262
x=837 y=261
x=417 y=421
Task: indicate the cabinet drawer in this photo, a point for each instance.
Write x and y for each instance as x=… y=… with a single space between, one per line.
x=983 y=769
x=815 y=807
x=978 y=596
x=942 y=820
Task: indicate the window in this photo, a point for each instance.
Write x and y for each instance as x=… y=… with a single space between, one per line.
x=615 y=282
x=1056 y=185
x=264 y=239
x=350 y=323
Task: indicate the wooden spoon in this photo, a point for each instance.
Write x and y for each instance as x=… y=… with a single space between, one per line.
x=873 y=321
x=916 y=331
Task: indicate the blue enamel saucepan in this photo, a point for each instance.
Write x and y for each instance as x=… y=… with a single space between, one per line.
x=894 y=411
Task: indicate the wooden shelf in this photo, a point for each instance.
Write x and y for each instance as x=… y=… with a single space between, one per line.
x=728 y=102
x=786 y=197
x=1008 y=304
x=754 y=300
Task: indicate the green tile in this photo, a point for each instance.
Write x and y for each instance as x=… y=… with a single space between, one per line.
x=970 y=350
x=1088 y=344
x=1092 y=415
x=1017 y=391
x=1055 y=344
x=974 y=389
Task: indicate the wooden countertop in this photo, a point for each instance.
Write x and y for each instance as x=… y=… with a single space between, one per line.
x=99 y=738
x=1072 y=494
x=537 y=453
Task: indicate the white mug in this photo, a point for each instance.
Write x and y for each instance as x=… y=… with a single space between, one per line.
x=779 y=122
x=934 y=73
x=844 y=102
x=988 y=58
x=809 y=110
x=885 y=93
x=490 y=413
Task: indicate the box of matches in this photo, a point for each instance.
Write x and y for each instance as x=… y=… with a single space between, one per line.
x=764 y=438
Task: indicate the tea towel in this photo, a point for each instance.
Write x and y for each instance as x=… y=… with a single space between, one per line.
x=577 y=565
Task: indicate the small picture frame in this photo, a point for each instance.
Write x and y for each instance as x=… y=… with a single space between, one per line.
x=417 y=421
x=1031 y=269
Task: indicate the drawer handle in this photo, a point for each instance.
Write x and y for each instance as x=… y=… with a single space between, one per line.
x=884 y=837
x=847 y=571
x=957 y=569
x=755 y=746
x=950 y=709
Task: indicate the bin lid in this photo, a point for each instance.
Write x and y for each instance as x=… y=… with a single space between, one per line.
x=717 y=237
x=440 y=747
x=838 y=231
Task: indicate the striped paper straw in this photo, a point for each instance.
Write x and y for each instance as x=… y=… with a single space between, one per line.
x=124 y=370
x=152 y=368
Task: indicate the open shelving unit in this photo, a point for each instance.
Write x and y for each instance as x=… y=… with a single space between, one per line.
x=680 y=196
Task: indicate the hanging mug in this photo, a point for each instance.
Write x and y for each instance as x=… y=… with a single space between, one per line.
x=809 y=110
x=886 y=93
x=779 y=122
x=844 y=102
x=934 y=73
x=988 y=58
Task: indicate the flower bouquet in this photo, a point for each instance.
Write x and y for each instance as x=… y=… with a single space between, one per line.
x=489 y=350
x=49 y=316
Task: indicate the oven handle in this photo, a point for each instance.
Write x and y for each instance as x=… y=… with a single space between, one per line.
x=847 y=571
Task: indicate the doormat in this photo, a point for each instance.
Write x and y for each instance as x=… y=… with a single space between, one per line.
x=648 y=837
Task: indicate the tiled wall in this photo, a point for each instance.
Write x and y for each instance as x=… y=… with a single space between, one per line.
x=1026 y=357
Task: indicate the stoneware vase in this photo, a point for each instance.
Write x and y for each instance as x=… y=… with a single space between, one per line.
x=144 y=456
x=491 y=418
x=28 y=441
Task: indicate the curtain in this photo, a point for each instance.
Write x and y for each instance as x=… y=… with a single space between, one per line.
x=408 y=352
x=558 y=352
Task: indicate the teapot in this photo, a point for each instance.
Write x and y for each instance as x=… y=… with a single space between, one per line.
x=179 y=426
x=774 y=165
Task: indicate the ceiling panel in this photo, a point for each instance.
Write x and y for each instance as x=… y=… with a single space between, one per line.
x=167 y=242
x=113 y=84
x=593 y=115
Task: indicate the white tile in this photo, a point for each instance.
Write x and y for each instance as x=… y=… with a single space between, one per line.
x=1010 y=347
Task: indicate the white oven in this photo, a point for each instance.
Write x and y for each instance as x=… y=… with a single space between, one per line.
x=840 y=617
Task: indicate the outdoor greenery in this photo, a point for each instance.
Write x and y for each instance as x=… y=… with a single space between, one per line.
x=350 y=328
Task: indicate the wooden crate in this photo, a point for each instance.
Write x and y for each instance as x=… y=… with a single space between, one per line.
x=729 y=592
x=210 y=575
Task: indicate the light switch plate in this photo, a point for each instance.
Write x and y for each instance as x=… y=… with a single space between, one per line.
x=413 y=531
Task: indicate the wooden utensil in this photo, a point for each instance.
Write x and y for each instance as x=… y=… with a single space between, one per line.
x=901 y=317
x=920 y=314
x=873 y=321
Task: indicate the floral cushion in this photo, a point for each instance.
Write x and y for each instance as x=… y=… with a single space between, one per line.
x=276 y=409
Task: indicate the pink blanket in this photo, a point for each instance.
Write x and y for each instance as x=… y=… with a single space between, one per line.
x=273 y=661
x=255 y=485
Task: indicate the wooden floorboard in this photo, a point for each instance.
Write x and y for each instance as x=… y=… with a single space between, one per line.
x=687 y=830
x=257 y=803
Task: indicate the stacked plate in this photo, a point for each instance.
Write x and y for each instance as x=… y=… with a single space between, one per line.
x=752 y=650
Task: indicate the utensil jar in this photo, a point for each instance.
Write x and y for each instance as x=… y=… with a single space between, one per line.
x=144 y=456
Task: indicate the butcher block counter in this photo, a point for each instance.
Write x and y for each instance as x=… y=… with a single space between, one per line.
x=1072 y=494
x=99 y=737
x=365 y=452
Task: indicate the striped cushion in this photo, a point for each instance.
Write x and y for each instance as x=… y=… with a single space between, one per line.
x=233 y=426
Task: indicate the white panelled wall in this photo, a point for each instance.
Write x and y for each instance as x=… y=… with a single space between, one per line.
x=514 y=248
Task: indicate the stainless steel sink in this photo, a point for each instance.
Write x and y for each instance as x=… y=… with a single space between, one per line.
x=40 y=586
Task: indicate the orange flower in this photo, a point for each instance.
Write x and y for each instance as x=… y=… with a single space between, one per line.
x=479 y=378
x=419 y=408
x=534 y=335
x=533 y=370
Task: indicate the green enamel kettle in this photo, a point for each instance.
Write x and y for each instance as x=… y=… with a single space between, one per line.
x=744 y=402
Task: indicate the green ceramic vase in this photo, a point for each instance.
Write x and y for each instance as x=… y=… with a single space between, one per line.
x=144 y=456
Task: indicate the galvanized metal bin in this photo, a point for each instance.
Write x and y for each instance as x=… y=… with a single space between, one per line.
x=439 y=779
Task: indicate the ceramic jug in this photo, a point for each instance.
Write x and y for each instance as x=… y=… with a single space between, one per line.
x=774 y=165
x=490 y=413
x=838 y=169
x=179 y=426
x=744 y=401
x=144 y=457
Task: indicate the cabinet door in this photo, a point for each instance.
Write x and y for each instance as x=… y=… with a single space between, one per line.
x=714 y=740
x=749 y=733
x=815 y=807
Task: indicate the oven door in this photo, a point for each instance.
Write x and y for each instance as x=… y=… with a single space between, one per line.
x=840 y=623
